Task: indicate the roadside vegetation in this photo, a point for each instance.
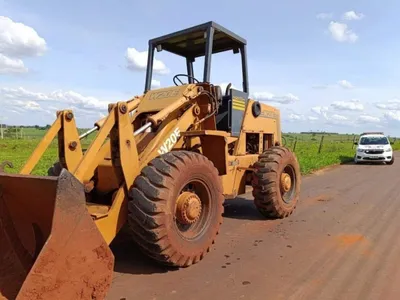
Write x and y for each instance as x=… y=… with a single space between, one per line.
x=314 y=151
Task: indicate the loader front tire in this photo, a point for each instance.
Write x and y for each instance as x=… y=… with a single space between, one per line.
x=276 y=183
x=175 y=208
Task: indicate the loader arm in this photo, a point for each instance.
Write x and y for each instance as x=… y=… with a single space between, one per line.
x=54 y=239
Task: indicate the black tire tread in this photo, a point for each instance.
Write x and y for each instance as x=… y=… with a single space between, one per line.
x=147 y=200
x=266 y=185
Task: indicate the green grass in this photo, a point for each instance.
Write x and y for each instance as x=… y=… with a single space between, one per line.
x=336 y=149
x=331 y=154
x=19 y=151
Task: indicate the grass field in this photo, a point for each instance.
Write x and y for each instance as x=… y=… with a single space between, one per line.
x=335 y=149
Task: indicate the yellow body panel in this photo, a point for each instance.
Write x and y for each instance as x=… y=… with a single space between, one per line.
x=175 y=112
x=87 y=204
x=156 y=100
x=267 y=122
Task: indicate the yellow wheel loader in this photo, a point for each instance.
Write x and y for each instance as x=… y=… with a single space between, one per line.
x=162 y=164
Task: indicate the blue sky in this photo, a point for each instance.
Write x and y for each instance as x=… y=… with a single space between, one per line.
x=328 y=65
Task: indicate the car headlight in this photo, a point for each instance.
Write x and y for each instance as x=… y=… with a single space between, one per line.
x=360 y=150
x=388 y=150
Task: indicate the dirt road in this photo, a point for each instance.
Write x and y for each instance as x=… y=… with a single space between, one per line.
x=341 y=243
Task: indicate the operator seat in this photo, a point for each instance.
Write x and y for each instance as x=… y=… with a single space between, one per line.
x=223 y=116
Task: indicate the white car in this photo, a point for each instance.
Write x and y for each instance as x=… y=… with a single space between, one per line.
x=374 y=147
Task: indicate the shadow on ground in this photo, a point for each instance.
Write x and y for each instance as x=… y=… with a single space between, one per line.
x=129 y=259
x=346 y=160
x=349 y=160
x=243 y=209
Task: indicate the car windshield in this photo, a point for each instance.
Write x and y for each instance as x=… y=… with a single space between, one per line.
x=376 y=140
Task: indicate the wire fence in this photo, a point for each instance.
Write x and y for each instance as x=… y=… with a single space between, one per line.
x=296 y=142
x=324 y=143
x=313 y=152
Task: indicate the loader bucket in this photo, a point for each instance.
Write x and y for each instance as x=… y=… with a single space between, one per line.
x=49 y=246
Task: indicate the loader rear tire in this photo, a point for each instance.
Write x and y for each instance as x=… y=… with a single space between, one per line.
x=175 y=208
x=271 y=197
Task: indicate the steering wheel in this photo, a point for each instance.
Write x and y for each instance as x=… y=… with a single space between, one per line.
x=176 y=77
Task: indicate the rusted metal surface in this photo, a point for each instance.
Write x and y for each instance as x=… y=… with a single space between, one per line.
x=286 y=182
x=188 y=208
x=50 y=247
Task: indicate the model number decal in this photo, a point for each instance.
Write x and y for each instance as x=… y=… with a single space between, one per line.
x=170 y=141
x=268 y=114
x=164 y=94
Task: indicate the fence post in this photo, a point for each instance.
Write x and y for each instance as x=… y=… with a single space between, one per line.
x=295 y=143
x=320 y=144
x=354 y=140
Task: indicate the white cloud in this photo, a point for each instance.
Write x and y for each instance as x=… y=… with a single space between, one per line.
x=345 y=84
x=70 y=98
x=9 y=65
x=337 y=117
x=22 y=94
x=320 y=110
x=353 y=105
x=324 y=16
x=341 y=33
x=352 y=15
x=296 y=117
x=84 y=102
x=392 y=115
x=268 y=97
x=19 y=40
x=155 y=83
x=19 y=106
x=333 y=119
x=32 y=105
x=368 y=119
x=392 y=104
x=137 y=61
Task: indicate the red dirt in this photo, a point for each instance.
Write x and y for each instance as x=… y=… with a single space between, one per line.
x=344 y=248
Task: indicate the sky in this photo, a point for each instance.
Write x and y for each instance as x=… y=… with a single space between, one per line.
x=327 y=65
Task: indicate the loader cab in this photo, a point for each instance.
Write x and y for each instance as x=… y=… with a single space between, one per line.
x=203 y=41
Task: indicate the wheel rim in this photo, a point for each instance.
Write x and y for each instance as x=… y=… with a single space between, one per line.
x=288 y=184
x=193 y=210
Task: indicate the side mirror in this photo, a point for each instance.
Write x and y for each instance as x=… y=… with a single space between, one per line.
x=355 y=143
x=391 y=143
